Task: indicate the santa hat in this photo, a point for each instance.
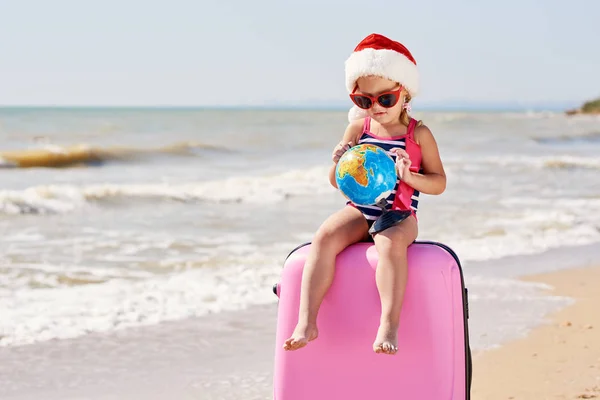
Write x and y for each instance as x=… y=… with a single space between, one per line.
x=381 y=56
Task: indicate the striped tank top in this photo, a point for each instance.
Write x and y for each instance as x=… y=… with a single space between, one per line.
x=403 y=197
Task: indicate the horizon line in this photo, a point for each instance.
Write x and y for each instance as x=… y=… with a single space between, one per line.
x=540 y=106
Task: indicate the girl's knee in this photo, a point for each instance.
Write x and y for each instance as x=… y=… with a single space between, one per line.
x=392 y=248
x=393 y=243
x=325 y=236
x=332 y=239
x=340 y=230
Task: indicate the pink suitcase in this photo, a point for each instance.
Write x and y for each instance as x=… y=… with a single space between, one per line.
x=433 y=360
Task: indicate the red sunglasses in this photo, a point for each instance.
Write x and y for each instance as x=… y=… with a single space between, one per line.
x=386 y=99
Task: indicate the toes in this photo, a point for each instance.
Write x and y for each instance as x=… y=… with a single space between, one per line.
x=386 y=348
x=294 y=344
x=391 y=349
x=289 y=344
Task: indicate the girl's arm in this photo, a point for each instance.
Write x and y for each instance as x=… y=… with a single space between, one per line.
x=433 y=178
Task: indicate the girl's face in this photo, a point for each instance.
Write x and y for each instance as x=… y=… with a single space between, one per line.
x=373 y=91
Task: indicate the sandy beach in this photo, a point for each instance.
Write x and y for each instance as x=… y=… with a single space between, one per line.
x=559 y=360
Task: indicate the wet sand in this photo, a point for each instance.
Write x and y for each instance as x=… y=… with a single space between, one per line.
x=559 y=360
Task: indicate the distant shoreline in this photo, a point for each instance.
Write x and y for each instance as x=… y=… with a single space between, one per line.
x=591 y=107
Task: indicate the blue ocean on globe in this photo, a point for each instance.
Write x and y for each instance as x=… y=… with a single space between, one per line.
x=366 y=174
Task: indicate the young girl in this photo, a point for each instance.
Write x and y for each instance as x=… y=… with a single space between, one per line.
x=382 y=77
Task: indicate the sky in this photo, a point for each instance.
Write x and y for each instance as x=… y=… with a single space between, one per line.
x=272 y=52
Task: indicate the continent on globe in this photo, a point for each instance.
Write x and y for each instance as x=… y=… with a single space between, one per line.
x=355 y=167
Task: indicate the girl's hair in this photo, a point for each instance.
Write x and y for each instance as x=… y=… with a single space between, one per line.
x=404 y=117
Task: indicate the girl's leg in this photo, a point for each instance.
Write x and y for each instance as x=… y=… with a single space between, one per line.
x=391 y=276
x=339 y=231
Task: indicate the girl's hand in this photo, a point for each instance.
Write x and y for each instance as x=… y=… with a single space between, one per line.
x=403 y=163
x=339 y=151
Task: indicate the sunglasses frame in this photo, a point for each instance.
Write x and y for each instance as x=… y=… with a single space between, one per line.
x=376 y=99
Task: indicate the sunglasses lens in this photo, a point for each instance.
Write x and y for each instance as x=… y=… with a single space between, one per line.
x=362 y=102
x=388 y=100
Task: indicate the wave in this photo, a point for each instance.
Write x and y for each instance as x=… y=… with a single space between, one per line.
x=584 y=138
x=53 y=156
x=273 y=188
x=542 y=162
x=52 y=199
x=63 y=301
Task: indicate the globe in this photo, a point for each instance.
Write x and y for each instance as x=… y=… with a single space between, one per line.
x=366 y=174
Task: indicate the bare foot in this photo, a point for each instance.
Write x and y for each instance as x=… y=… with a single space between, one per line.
x=301 y=336
x=386 y=341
